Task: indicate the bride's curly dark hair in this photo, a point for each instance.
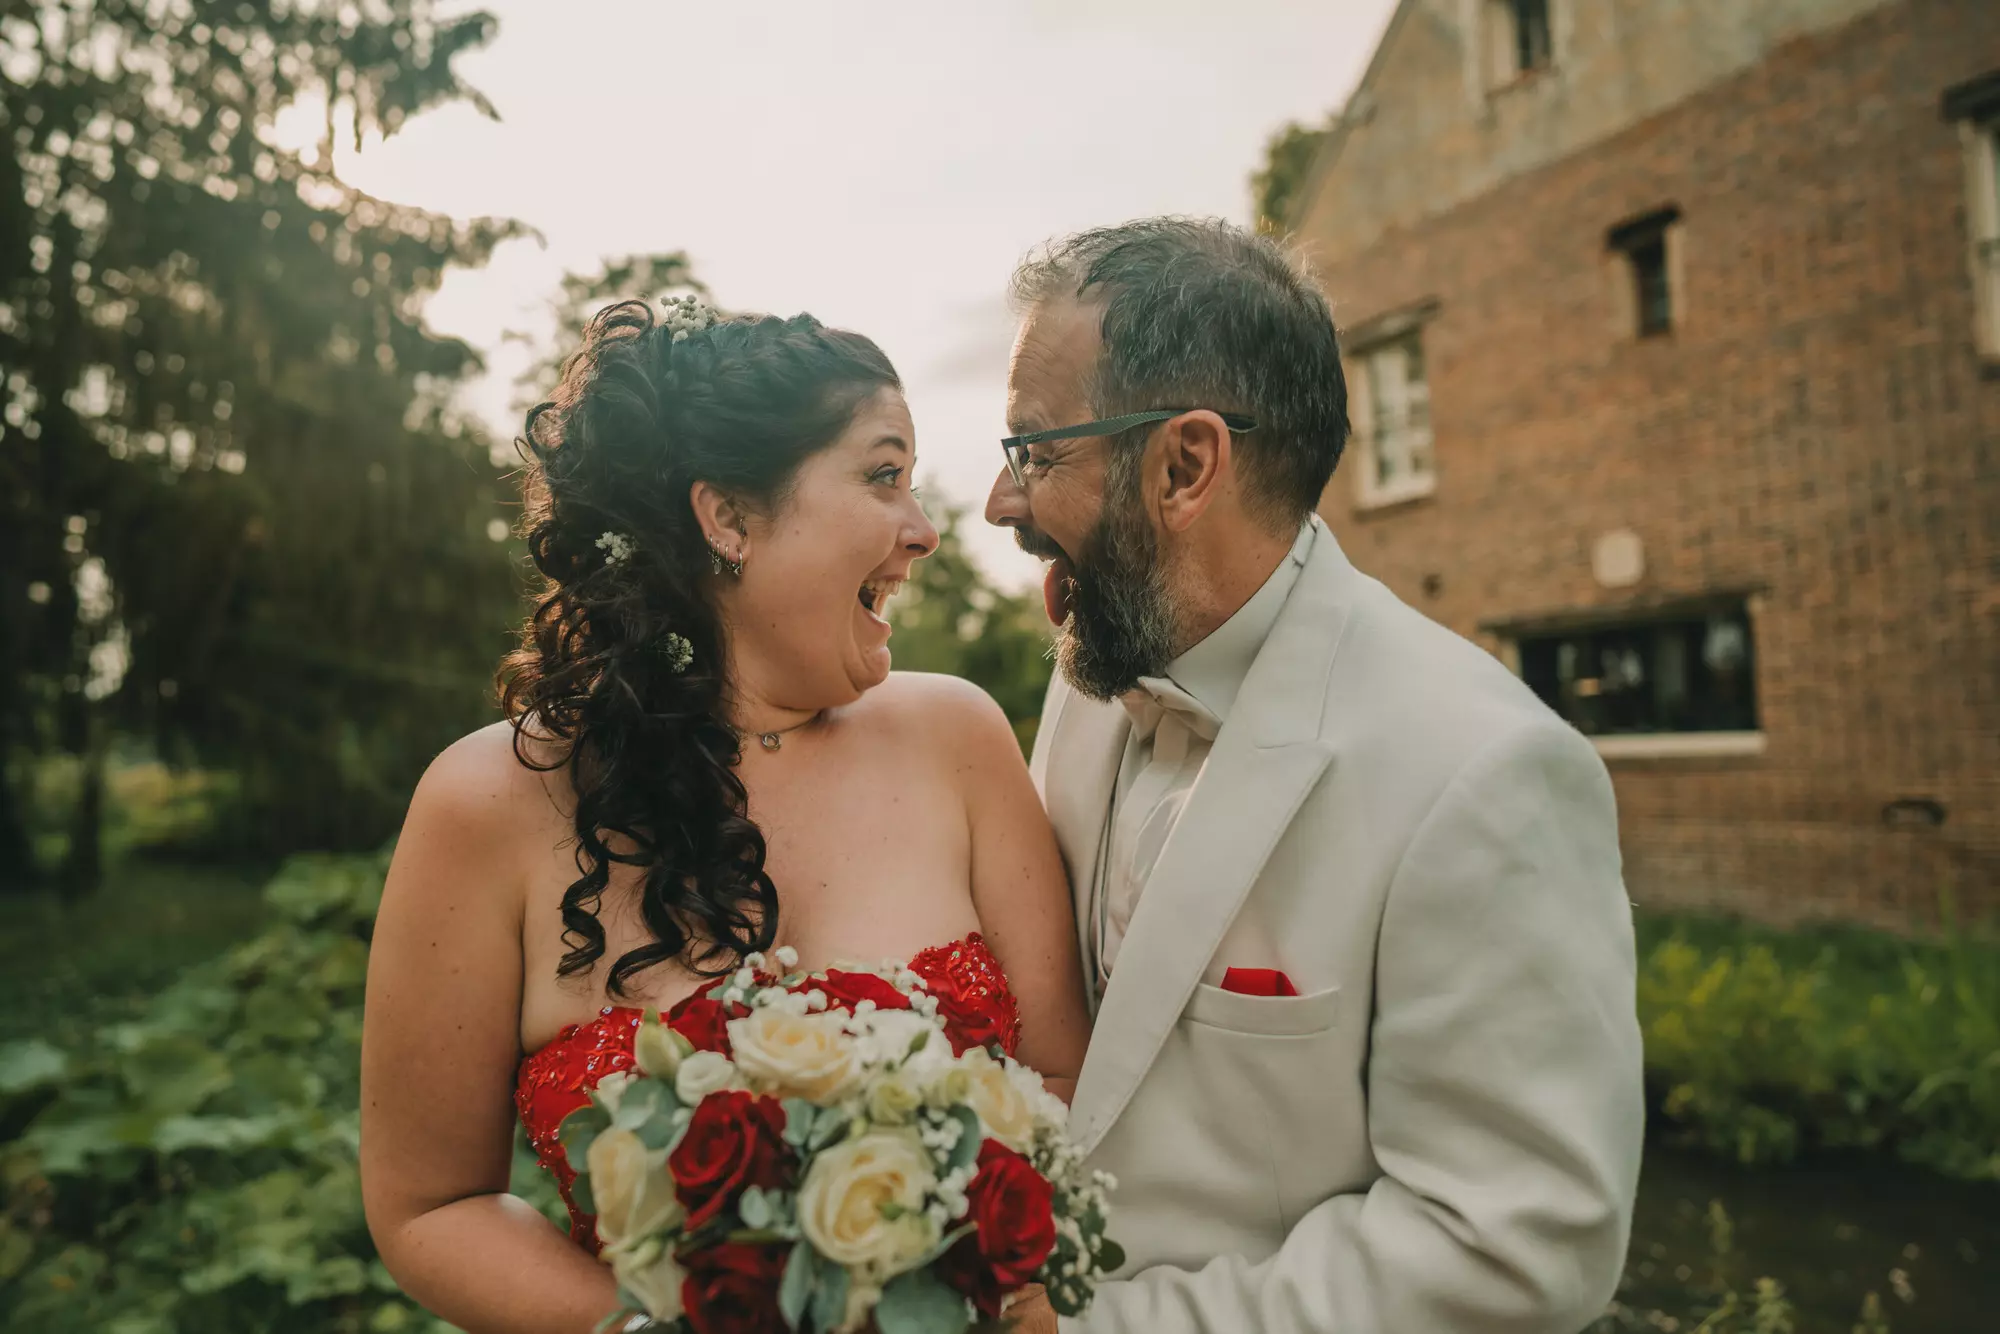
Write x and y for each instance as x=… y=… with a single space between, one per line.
x=636 y=420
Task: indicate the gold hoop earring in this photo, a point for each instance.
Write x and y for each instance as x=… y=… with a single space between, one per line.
x=718 y=561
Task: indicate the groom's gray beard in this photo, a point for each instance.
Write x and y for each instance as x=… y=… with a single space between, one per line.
x=1121 y=624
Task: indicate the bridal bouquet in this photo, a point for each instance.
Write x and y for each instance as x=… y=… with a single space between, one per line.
x=816 y=1152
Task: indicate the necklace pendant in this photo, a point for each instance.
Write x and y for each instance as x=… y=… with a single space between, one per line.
x=770 y=740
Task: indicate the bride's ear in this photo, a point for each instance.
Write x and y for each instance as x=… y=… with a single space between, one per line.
x=721 y=519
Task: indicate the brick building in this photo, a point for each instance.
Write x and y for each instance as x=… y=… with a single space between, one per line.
x=1673 y=330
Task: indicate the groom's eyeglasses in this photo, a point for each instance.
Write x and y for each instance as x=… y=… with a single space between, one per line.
x=1016 y=446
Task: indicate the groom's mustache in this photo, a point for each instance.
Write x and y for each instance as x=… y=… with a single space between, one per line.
x=1038 y=544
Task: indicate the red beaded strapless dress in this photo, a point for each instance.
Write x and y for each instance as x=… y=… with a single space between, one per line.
x=974 y=1002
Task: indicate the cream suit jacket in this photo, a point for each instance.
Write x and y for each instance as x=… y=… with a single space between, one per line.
x=1441 y=1131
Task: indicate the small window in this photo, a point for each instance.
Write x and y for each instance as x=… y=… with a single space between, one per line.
x=1679 y=672
x=1985 y=219
x=1519 y=39
x=1394 y=418
x=1975 y=107
x=1647 y=246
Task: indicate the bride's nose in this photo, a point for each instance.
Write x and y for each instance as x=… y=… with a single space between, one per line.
x=920 y=535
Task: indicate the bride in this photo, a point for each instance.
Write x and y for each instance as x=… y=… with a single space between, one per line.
x=705 y=755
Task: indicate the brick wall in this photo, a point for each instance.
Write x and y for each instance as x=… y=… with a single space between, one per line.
x=1819 y=428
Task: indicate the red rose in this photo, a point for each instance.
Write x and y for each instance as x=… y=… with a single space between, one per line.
x=702 y=1020
x=1012 y=1210
x=734 y=1140
x=733 y=1289
x=966 y=1022
x=845 y=990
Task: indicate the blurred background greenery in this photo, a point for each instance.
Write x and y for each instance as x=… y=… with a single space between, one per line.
x=255 y=570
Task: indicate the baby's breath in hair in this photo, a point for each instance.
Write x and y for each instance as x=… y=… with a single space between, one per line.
x=677 y=652
x=686 y=315
x=617 y=548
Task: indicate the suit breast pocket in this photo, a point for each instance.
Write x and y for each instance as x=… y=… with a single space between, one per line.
x=1268 y=1016
x=1285 y=1071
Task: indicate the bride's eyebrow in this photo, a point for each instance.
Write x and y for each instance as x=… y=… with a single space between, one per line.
x=896 y=440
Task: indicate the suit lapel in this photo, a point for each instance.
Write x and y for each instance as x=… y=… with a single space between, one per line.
x=1265 y=761
x=1076 y=766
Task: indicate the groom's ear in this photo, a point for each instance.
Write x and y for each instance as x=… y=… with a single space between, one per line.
x=1194 y=468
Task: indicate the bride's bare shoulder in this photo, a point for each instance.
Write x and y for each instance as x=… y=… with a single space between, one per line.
x=495 y=779
x=948 y=712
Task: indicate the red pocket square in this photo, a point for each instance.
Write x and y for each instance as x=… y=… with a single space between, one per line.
x=1258 y=982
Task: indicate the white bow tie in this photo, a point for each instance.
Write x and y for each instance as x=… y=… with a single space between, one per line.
x=1155 y=697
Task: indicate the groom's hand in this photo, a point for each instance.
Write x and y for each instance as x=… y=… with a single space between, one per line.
x=1030 y=1313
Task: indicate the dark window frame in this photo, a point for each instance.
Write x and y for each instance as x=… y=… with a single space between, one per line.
x=1681 y=669
x=1643 y=243
x=1534 y=36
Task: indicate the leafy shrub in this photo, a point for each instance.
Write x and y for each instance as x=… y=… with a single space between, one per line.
x=195 y=1169
x=1761 y=1045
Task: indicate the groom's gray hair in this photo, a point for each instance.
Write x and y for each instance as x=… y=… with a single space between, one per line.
x=1199 y=313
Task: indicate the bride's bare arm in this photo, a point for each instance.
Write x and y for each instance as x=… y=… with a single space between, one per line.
x=1021 y=893
x=440 y=1045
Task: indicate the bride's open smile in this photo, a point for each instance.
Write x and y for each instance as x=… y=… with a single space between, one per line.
x=808 y=619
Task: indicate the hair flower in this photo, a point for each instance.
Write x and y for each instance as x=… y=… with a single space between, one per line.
x=687 y=314
x=677 y=652
x=617 y=548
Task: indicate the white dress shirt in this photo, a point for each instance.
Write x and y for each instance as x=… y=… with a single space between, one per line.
x=1175 y=720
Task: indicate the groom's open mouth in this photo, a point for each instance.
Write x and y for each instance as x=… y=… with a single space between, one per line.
x=1059 y=583
x=1058 y=587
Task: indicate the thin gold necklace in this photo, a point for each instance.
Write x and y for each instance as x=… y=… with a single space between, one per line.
x=773 y=740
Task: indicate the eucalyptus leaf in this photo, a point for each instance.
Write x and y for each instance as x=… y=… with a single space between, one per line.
x=830 y=1128
x=799 y=1116
x=919 y=1303
x=661 y=1133
x=796 y=1289
x=966 y=1151
x=829 y=1306
x=754 y=1208
x=643 y=1100
x=579 y=1130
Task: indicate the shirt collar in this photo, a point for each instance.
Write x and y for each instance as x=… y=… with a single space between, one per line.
x=1213 y=670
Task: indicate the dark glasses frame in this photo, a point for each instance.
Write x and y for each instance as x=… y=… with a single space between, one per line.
x=1015 y=447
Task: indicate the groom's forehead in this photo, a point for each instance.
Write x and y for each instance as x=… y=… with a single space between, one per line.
x=1054 y=351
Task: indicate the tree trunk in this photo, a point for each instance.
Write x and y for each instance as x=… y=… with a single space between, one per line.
x=17 y=854
x=83 y=867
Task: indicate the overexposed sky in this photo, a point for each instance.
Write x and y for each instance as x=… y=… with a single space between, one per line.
x=880 y=163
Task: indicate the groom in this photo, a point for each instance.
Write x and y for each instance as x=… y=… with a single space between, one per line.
x=1348 y=895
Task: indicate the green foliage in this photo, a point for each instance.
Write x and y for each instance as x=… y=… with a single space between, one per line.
x=1288 y=159
x=1719 y=1303
x=1762 y=1045
x=950 y=619
x=195 y=1168
x=237 y=517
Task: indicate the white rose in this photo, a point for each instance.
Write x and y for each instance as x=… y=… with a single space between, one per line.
x=701 y=1074
x=893 y=1099
x=852 y=1189
x=994 y=1096
x=632 y=1188
x=658 y=1049
x=789 y=1055
x=649 y=1272
x=891 y=1034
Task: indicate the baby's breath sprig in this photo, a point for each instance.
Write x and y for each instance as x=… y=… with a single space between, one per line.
x=687 y=315
x=617 y=548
